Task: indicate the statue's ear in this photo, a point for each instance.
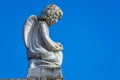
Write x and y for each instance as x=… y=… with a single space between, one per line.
x=27 y=28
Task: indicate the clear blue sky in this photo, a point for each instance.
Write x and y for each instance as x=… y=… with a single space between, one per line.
x=89 y=31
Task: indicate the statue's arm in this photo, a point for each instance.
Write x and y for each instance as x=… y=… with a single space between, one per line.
x=51 y=45
x=27 y=28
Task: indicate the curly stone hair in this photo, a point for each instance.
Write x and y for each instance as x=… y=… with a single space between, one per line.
x=51 y=14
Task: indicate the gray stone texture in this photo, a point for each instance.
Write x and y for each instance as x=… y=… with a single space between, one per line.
x=32 y=79
x=45 y=72
x=44 y=54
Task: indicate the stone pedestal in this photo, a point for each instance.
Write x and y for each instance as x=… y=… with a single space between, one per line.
x=45 y=72
x=41 y=73
x=32 y=79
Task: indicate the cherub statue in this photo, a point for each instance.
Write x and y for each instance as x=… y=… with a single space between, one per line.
x=44 y=55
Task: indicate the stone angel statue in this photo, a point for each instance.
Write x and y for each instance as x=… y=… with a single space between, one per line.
x=44 y=54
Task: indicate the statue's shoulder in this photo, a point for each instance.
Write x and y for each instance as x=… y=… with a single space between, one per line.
x=42 y=24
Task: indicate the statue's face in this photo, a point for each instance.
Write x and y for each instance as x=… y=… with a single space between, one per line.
x=51 y=14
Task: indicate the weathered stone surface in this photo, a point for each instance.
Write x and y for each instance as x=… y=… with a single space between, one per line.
x=45 y=72
x=33 y=79
x=44 y=54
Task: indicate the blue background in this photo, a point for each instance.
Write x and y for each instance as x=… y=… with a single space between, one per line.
x=89 y=31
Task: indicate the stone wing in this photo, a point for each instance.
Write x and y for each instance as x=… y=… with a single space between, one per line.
x=29 y=24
